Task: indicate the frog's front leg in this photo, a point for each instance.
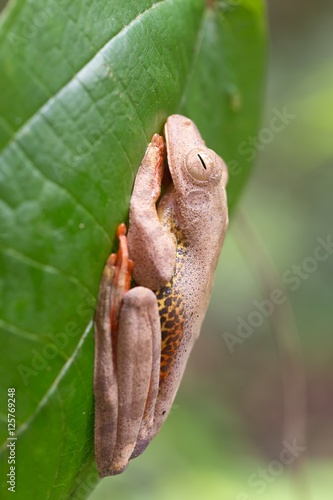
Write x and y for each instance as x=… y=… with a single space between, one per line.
x=127 y=361
x=151 y=247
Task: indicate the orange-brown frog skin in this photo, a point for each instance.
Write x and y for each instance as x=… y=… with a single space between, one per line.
x=175 y=248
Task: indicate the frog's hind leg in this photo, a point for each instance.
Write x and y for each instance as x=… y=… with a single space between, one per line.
x=116 y=280
x=127 y=361
x=137 y=371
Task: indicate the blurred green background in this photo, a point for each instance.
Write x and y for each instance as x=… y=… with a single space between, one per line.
x=235 y=411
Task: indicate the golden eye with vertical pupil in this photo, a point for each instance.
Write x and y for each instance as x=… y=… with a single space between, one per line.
x=203 y=164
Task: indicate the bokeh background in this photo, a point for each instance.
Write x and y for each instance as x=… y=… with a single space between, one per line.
x=236 y=411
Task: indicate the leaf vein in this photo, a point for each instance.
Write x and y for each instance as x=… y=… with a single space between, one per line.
x=21 y=256
x=64 y=189
x=52 y=389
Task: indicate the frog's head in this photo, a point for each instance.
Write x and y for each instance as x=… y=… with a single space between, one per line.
x=198 y=174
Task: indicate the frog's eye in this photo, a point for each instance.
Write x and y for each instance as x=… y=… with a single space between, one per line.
x=203 y=164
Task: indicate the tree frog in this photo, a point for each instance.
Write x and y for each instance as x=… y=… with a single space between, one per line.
x=144 y=335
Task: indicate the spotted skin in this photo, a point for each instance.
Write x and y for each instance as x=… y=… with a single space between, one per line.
x=172 y=308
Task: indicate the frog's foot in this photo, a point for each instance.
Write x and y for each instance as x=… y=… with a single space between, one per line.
x=157 y=143
x=121 y=269
x=149 y=178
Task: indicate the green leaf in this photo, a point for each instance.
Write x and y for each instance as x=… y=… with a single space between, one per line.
x=83 y=87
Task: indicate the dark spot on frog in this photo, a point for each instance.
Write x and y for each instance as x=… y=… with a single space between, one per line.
x=168 y=302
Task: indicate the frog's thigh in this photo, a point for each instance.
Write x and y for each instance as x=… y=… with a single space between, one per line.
x=138 y=342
